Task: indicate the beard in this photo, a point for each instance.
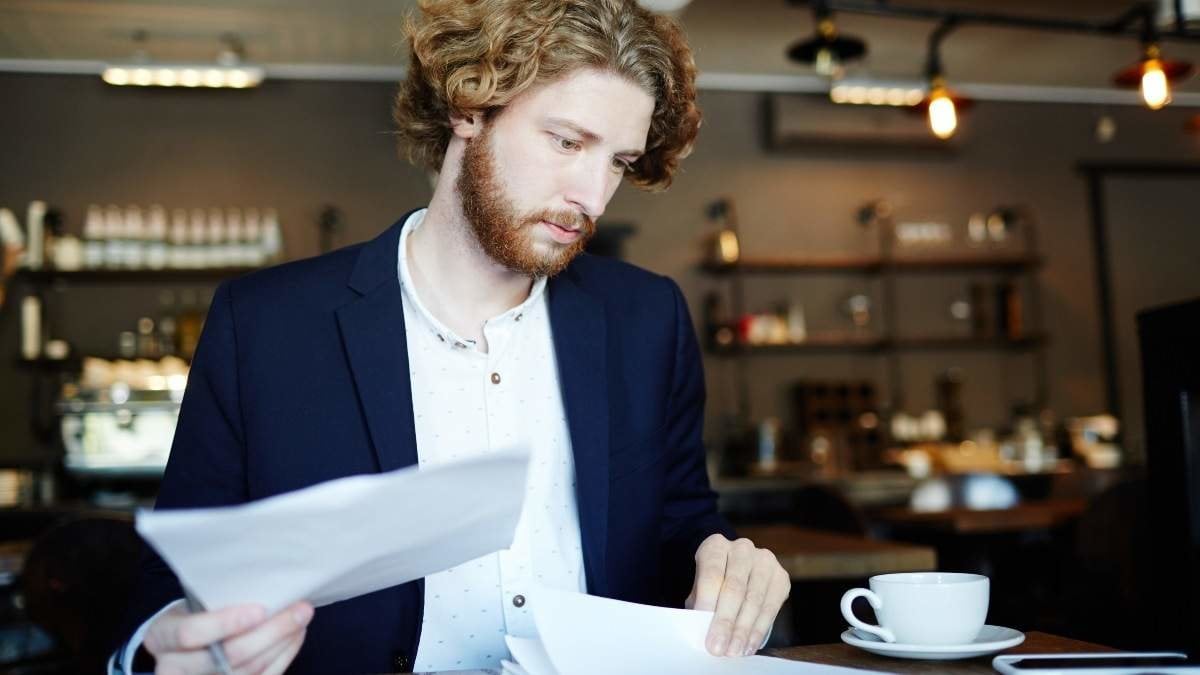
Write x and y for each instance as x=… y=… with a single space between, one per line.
x=505 y=234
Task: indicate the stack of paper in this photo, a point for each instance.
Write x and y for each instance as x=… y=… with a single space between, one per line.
x=582 y=634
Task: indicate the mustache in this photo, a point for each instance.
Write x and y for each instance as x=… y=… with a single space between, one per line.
x=572 y=220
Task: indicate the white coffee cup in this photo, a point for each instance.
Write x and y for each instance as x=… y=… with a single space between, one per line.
x=923 y=608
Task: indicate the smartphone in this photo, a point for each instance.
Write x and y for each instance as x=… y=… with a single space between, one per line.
x=1110 y=663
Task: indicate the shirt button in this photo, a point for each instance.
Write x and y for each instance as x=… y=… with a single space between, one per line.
x=518 y=601
x=495 y=378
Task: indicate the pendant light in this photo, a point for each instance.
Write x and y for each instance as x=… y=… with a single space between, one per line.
x=1153 y=75
x=827 y=51
x=942 y=106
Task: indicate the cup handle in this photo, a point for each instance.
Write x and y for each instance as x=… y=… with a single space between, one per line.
x=848 y=612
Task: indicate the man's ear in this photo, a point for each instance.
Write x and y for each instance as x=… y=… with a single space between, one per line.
x=468 y=124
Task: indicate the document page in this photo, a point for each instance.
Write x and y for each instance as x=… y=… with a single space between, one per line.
x=343 y=538
x=581 y=634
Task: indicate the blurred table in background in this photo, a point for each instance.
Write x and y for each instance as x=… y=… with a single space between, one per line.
x=810 y=555
x=1043 y=514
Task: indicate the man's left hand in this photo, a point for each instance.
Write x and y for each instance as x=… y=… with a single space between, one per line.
x=745 y=586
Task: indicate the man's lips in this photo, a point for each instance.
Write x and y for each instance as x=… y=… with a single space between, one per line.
x=561 y=234
x=561 y=227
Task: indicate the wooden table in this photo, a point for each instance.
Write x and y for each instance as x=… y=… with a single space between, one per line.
x=844 y=655
x=810 y=555
x=1042 y=514
x=841 y=654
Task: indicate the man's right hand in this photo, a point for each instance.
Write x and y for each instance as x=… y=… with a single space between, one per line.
x=254 y=643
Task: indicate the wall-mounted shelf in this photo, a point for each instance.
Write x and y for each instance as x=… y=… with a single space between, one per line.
x=874 y=265
x=1015 y=326
x=132 y=276
x=882 y=345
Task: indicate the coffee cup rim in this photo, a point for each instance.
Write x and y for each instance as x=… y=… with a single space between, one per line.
x=929 y=578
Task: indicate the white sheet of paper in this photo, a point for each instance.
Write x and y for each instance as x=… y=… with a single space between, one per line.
x=530 y=655
x=581 y=632
x=345 y=537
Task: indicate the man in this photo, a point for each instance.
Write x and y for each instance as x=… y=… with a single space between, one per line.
x=467 y=327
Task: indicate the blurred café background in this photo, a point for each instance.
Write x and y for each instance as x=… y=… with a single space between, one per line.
x=943 y=258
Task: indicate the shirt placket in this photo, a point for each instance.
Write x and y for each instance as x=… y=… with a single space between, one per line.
x=504 y=418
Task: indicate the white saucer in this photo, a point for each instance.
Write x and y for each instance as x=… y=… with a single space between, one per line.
x=991 y=639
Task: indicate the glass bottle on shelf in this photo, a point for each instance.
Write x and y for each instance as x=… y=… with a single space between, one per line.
x=156 y=238
x=178 y=243
x=65 y=250
x=272 y=237
x=167 y=338
x=35 y=235
x=215 y=244
x=233 y=238
x=252 y=239
x=188 y=324
x=93 y=237
x=194 y=255
x=135 y=238
x=31 y=327
x=147 y=340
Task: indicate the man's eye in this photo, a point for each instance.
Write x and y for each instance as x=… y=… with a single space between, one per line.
x=620 y=164
x=566 y=143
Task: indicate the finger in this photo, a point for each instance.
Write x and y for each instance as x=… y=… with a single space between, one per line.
x=270 y=656
x=180 y=631
x=761 y=576
x=780 y=589
x=195 y=662
x=733 y=593
x=267 y=635
x=710 y=571
x=282 y=662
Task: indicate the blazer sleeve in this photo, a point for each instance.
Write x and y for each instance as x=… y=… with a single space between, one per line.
x=690 y=512
x=207 y=465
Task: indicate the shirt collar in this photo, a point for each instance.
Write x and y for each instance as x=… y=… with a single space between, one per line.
x=443 y=333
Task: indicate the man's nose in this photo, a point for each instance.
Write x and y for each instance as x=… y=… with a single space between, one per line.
x=590 y=188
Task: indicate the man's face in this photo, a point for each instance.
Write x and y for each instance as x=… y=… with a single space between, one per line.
x=534 y=181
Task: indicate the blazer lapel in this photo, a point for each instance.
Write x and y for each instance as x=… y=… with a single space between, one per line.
x=372 y=330
x=578 y=324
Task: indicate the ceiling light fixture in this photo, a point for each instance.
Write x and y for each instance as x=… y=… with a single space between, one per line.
x=874 y=91
x=1154 y=75
x=228 y=71
x=941 y=104
x=826 y=51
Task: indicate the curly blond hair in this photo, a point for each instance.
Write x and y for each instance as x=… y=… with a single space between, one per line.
x=481 y=54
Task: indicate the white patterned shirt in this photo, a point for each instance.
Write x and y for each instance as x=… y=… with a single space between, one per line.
x=469 y=403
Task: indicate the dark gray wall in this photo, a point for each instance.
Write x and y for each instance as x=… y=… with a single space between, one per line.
x=298 y=146
x=1158 y=262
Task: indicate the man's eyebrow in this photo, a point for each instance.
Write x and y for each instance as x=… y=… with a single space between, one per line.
x=587 y=135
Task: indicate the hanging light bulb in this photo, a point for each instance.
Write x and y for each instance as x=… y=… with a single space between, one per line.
x=827 y=63
x=943 y=117
x=1153 y=75
x=1155 y=90
x=941 y=105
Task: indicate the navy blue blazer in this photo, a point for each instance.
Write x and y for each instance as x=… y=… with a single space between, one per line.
x=301 y=376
